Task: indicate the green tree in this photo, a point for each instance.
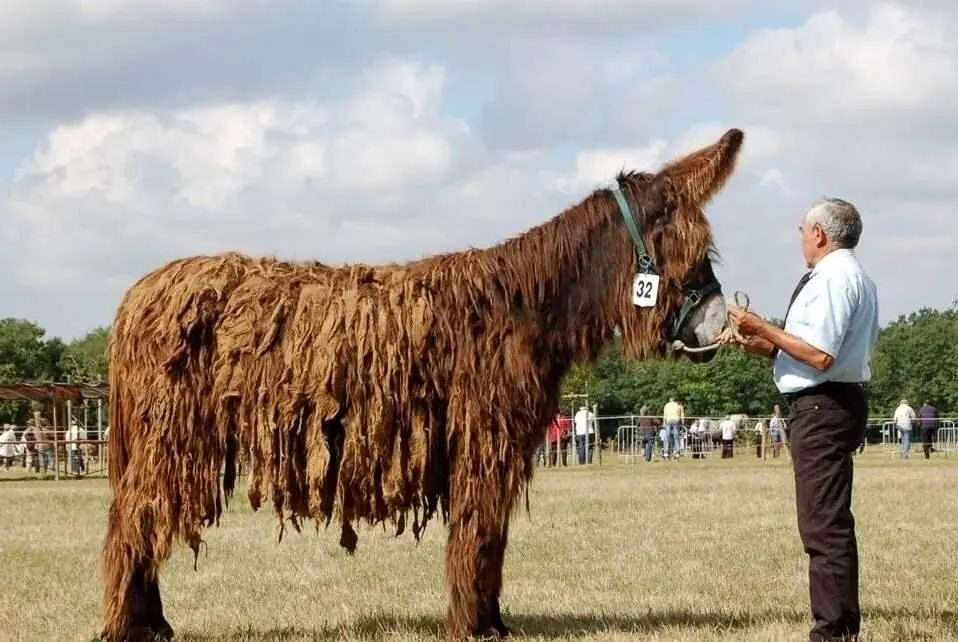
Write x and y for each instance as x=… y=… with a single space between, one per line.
x=26 y=355
x=732 y=382
x=916 y=357
x=84 y=360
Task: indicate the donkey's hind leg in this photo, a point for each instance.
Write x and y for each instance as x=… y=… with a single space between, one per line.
x=133 y=609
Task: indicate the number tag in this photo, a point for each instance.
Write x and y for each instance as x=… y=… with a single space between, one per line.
x=645 y=290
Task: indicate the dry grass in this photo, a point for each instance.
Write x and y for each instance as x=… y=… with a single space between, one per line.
x=692 y=550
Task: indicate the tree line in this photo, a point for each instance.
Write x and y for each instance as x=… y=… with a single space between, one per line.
x=916 y=357
x=28 y=354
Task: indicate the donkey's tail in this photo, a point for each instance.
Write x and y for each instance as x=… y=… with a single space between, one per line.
x=118 y=446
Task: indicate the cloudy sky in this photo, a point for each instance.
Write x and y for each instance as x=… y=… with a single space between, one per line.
x=372 y=130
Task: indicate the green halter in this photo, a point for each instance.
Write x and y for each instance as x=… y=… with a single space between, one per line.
x=693 y=296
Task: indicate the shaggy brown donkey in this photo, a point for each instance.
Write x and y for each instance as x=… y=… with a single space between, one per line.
x=366 y=393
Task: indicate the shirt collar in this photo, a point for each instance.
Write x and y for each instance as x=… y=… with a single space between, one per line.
x=833 y=256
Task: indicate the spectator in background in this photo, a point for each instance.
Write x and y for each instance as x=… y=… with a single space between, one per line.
x=585 y=429
x=29 y=438
x=75 y=434
x=727 y=426
x=929 y=427
x=759 y=438
x=673 y=416
x=697 y=438
x=42 y=439
x=646 y=427
x=776 y=430
x=904 y=416
x=559 y=437
x=8 y=446
x=28 y=449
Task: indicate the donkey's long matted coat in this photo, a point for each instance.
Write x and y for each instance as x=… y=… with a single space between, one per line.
x=378 y=393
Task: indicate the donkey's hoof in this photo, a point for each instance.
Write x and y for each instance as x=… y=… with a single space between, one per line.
x=140 y=634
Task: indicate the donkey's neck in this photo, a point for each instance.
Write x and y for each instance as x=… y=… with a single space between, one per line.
x=581 y=309
x=569 y=272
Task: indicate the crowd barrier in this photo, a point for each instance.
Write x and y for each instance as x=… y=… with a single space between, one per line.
x=617 y=439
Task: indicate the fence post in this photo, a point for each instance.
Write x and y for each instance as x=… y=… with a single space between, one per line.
x=598 y=437
x=56 y=444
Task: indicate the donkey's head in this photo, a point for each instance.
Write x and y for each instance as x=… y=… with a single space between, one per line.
x=674 y=292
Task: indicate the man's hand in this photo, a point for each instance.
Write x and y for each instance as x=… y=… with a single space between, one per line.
x=727 y=337
x=761 y=337
x=747 y=323
x=757 y=345
x=752 y=343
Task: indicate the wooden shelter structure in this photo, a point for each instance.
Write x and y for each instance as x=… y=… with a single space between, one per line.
x=62 y=398
x=53 y=391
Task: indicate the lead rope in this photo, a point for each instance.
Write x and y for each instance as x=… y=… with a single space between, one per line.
x=741 y=301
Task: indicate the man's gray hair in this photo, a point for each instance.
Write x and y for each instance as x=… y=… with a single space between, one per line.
x=839 y=219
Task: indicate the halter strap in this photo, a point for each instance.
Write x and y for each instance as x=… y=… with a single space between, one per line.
x=693 y=296
x=645 y=260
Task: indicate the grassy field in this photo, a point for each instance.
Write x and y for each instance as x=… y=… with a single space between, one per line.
x=689 y=550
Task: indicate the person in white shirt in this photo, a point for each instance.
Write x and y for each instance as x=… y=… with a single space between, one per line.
x=584 y=421
x=776 y=430
x=8 y=446
x=75 y=435
x=696 y=438
x=904 y=415
x=822 y=359
x=727 y=426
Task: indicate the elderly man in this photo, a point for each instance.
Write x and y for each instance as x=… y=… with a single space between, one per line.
x=822 y=358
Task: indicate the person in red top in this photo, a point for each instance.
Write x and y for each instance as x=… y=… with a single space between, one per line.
x=559 y=435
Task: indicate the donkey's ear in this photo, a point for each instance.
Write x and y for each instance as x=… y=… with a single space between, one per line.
x=700 y=175
x=658 y=198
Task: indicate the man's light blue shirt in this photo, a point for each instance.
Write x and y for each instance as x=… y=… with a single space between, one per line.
x=836 y=312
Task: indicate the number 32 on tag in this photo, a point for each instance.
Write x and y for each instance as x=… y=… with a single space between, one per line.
x=645 y=290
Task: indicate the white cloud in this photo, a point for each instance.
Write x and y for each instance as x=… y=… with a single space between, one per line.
x=864 y=104
x=857 y=105
x=538 y=14
x=67 y=59
x=414 y=127
x=382 y=174
x=598 y=166
x=23 y=25
x=899 y=61
x=114 y=192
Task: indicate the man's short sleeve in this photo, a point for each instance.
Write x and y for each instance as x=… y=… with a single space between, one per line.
x=826 y=313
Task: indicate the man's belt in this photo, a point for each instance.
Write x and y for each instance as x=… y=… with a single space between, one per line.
x=824 y=388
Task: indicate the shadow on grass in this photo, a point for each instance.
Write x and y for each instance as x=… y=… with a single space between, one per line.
x=551 y=627
x=925 y=624
x=569 y=626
